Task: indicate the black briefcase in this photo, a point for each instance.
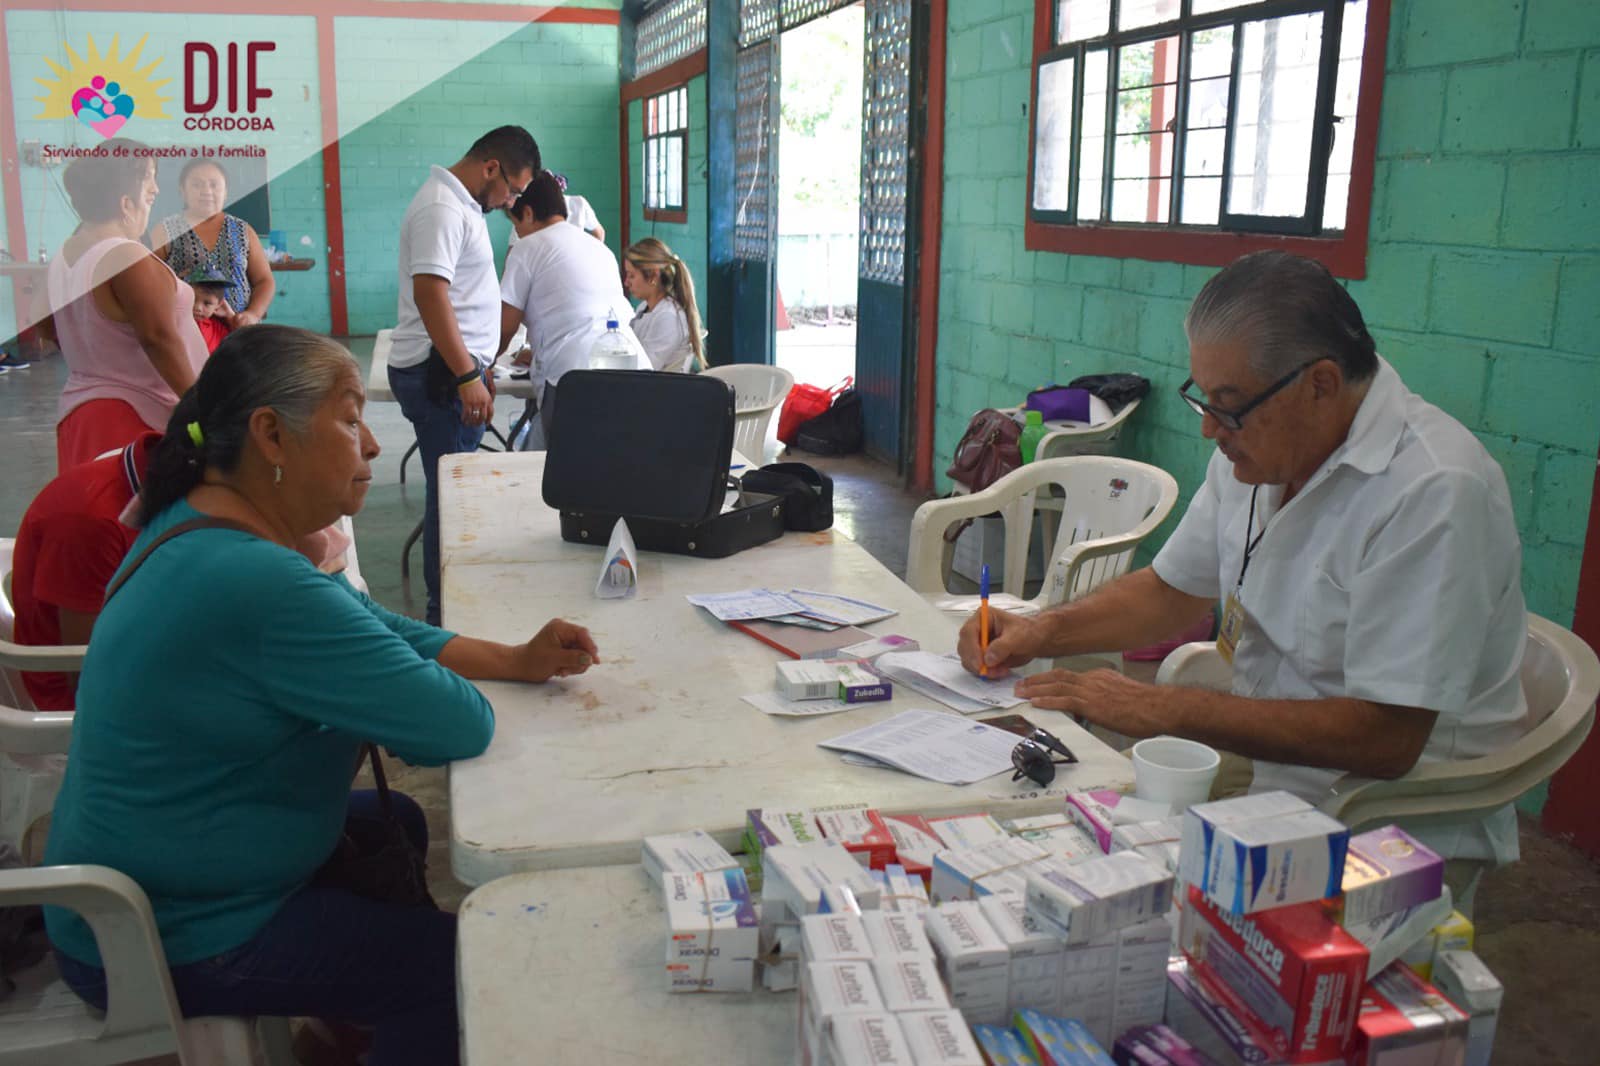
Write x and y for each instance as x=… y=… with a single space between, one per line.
x=652 y=448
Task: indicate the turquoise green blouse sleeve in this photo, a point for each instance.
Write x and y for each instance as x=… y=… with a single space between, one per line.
x=427 y=641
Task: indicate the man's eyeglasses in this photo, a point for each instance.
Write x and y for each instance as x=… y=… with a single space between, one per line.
x=1032 y=758
x=505 y=176
x=1234 y=420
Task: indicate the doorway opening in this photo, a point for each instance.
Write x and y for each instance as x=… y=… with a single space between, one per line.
x=819 y=197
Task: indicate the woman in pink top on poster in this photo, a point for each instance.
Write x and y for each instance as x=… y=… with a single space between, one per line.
x=124 y=320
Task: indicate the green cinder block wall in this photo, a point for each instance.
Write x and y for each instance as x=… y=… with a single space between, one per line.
x=1483 y=271
x=686 y=239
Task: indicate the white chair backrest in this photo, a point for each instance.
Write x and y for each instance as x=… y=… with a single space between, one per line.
x=352 y=564
x=12 y=691
x=378 y=373
x=1085 y=439
x=758 y=391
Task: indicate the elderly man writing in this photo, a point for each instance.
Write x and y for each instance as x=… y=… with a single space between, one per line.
x=1363 y=543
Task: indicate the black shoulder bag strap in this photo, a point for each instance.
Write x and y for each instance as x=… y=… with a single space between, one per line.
x=203 y=522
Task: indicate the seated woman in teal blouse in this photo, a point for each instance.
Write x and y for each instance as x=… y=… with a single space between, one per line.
x=224 y=700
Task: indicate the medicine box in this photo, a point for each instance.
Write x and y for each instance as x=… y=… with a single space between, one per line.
x=1101 y=811
x=973 y=960
x=1454 y=933
x=684 y=853
x=871 y=649
x=871 y=1039
x=834 y=938
x=1466 y=982
x=1275 y=862
x=1202 y=821
x=1203 y=1018
x=915 y=843
x=967 y=830
x=995 y=867
x=808 y=679
x=763 y=828
x=1165 y=1042
x=1059 y=1041
x=892 y=935
x=1157 y=841
x=1035 y=972
x=1089 y=983
x=1084 y=900
x=1057 y=835
x=1292 y=972
x=1388 y=870
x=829 y=990
x=1003 y=1046
x=857 y=684
x=939 y=1038
x=860 y=830
x=1404 y=1020
x=712 y=932
x=910 y=982
x=900 y=891
x=1141 y=980
x=1391 y=936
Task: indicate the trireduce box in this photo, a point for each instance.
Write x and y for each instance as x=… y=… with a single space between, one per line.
x=1467 y=982
x=860 y=829
x=1035 y=973
x=915 y=843
x=871 y=1039
x=994 y=868
x=1405 y=1021
x=1293 y=972
x=1081 y=901
x=690 y=852
x=1275 y=862
x=1387 y=870
x=1202 y=822
x=973 y=960
x=711 y=932
x=939 y=1038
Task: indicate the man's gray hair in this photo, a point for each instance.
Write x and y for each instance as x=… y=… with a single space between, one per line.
x=1287 y=311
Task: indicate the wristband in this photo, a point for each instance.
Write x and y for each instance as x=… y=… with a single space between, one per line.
x=475 y=374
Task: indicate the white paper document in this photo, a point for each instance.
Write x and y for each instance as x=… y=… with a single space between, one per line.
x=831 y=607
x=999 y=601
x=943 y=678
x=775 y=704
x=749 y=603
x=933 y=744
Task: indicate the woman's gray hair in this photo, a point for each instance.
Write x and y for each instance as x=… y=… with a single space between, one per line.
x=1287 y=311
x=290 y=370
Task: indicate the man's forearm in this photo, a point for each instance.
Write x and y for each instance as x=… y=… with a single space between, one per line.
x=1134 y=610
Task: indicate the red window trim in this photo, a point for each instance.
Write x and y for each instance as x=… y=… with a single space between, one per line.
x=652 y=215
x=1345 y=255
x=668 y=79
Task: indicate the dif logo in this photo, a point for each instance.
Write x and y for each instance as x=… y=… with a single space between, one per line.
x=231 y=77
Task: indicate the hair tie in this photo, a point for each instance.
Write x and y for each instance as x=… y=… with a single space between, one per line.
x=195 y=435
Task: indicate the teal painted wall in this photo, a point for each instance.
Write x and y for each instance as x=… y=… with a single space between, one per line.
x=1483 y=283
x=686 y=239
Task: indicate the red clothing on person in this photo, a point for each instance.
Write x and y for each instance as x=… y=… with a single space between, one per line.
x=212 y=330
x=93 y=428
x=68 y=547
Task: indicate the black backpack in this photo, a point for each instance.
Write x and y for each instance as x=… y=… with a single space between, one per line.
x=836 y=431
x=807 y=494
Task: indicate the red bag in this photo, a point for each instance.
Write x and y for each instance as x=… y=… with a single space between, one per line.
x=804 y=403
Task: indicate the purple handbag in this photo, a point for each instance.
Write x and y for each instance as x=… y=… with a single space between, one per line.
x=1058 y=403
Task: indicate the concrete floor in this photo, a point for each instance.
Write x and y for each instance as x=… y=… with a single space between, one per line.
x=1538 y=921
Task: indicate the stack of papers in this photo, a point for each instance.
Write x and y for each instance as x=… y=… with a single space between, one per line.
x=932 y=744
x=943 y=678
x=804 y=607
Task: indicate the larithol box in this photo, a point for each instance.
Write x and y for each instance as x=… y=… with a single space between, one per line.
x=872 y=1039
x=690 y=852
x=939 y=1038
x=834 y=938
x=973 y=961
x=891 y=934
x=712 y=932
x=1084 y=900
x=1387 y=870
x=910 y=982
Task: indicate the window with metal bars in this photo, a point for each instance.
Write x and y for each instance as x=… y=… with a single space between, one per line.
x=666 y=155
x=1199 y=116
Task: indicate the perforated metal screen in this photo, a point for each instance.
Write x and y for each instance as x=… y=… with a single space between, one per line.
x=755 y=81
x=760 y=19
x=885 y=110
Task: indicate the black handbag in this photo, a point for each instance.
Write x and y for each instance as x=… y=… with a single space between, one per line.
x=375 y=857
x=837 y=431
x=807 y=493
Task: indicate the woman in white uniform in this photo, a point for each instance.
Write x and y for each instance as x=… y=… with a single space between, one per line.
x=668 y=322
x=563 y=284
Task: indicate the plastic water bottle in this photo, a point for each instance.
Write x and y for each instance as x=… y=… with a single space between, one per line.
x=611 y=350
x=1032 y=430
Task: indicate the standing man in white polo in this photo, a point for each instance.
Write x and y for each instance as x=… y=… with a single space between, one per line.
x=449 y=318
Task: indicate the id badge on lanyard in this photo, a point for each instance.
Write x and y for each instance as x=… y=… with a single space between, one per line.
x=1231 y=630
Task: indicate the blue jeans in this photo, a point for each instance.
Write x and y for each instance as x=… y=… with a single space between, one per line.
x=331 y=954
x=439 y=432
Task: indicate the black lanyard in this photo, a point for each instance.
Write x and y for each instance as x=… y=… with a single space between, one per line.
x=1250 y=545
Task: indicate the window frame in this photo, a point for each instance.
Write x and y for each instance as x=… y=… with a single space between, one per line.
x=670 y=212
x=1344 y=253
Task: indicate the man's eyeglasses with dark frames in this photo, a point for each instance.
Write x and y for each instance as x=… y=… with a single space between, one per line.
x=1234 y=420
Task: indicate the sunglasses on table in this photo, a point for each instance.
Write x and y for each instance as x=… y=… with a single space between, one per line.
x=1234 y=419
x=1034 y=757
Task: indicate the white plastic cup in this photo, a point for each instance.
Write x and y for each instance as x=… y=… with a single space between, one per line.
x=1174 y=771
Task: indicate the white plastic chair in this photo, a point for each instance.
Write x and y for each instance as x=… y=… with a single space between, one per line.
x=44 y=1021
x=352 y=565
x=33 y=743
x=1561 y=680
x=1080 y=438
x=1108 y=505
x=758 y=392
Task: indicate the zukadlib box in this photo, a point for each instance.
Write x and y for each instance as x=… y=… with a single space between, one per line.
x=1292 y=972
x=915 y=843
x=967 y=830
x=1387 y=870
x=1406 y=1022
x=1466 y=982
x=910 y=982
x=711 y=932
x=892 y=935
x=1035 y=974
x=1056 y=834
x=1084 y=900
x=1275 y=862
x=857 y=684
x=871 y=1039
x=939 y=1038
x=766 y=827
x=860 y=830
x=834 y=938
x=1203 y=821
x=988 y=869
x=973 y=960
x=684 y=853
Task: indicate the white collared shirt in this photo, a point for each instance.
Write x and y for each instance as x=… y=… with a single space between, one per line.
x=1393 y=576
x=444 y=234
x=664 y=332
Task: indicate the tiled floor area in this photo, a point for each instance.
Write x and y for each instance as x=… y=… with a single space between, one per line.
x=1538 y=921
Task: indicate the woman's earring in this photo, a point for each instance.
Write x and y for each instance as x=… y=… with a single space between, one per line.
x=277 y=475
